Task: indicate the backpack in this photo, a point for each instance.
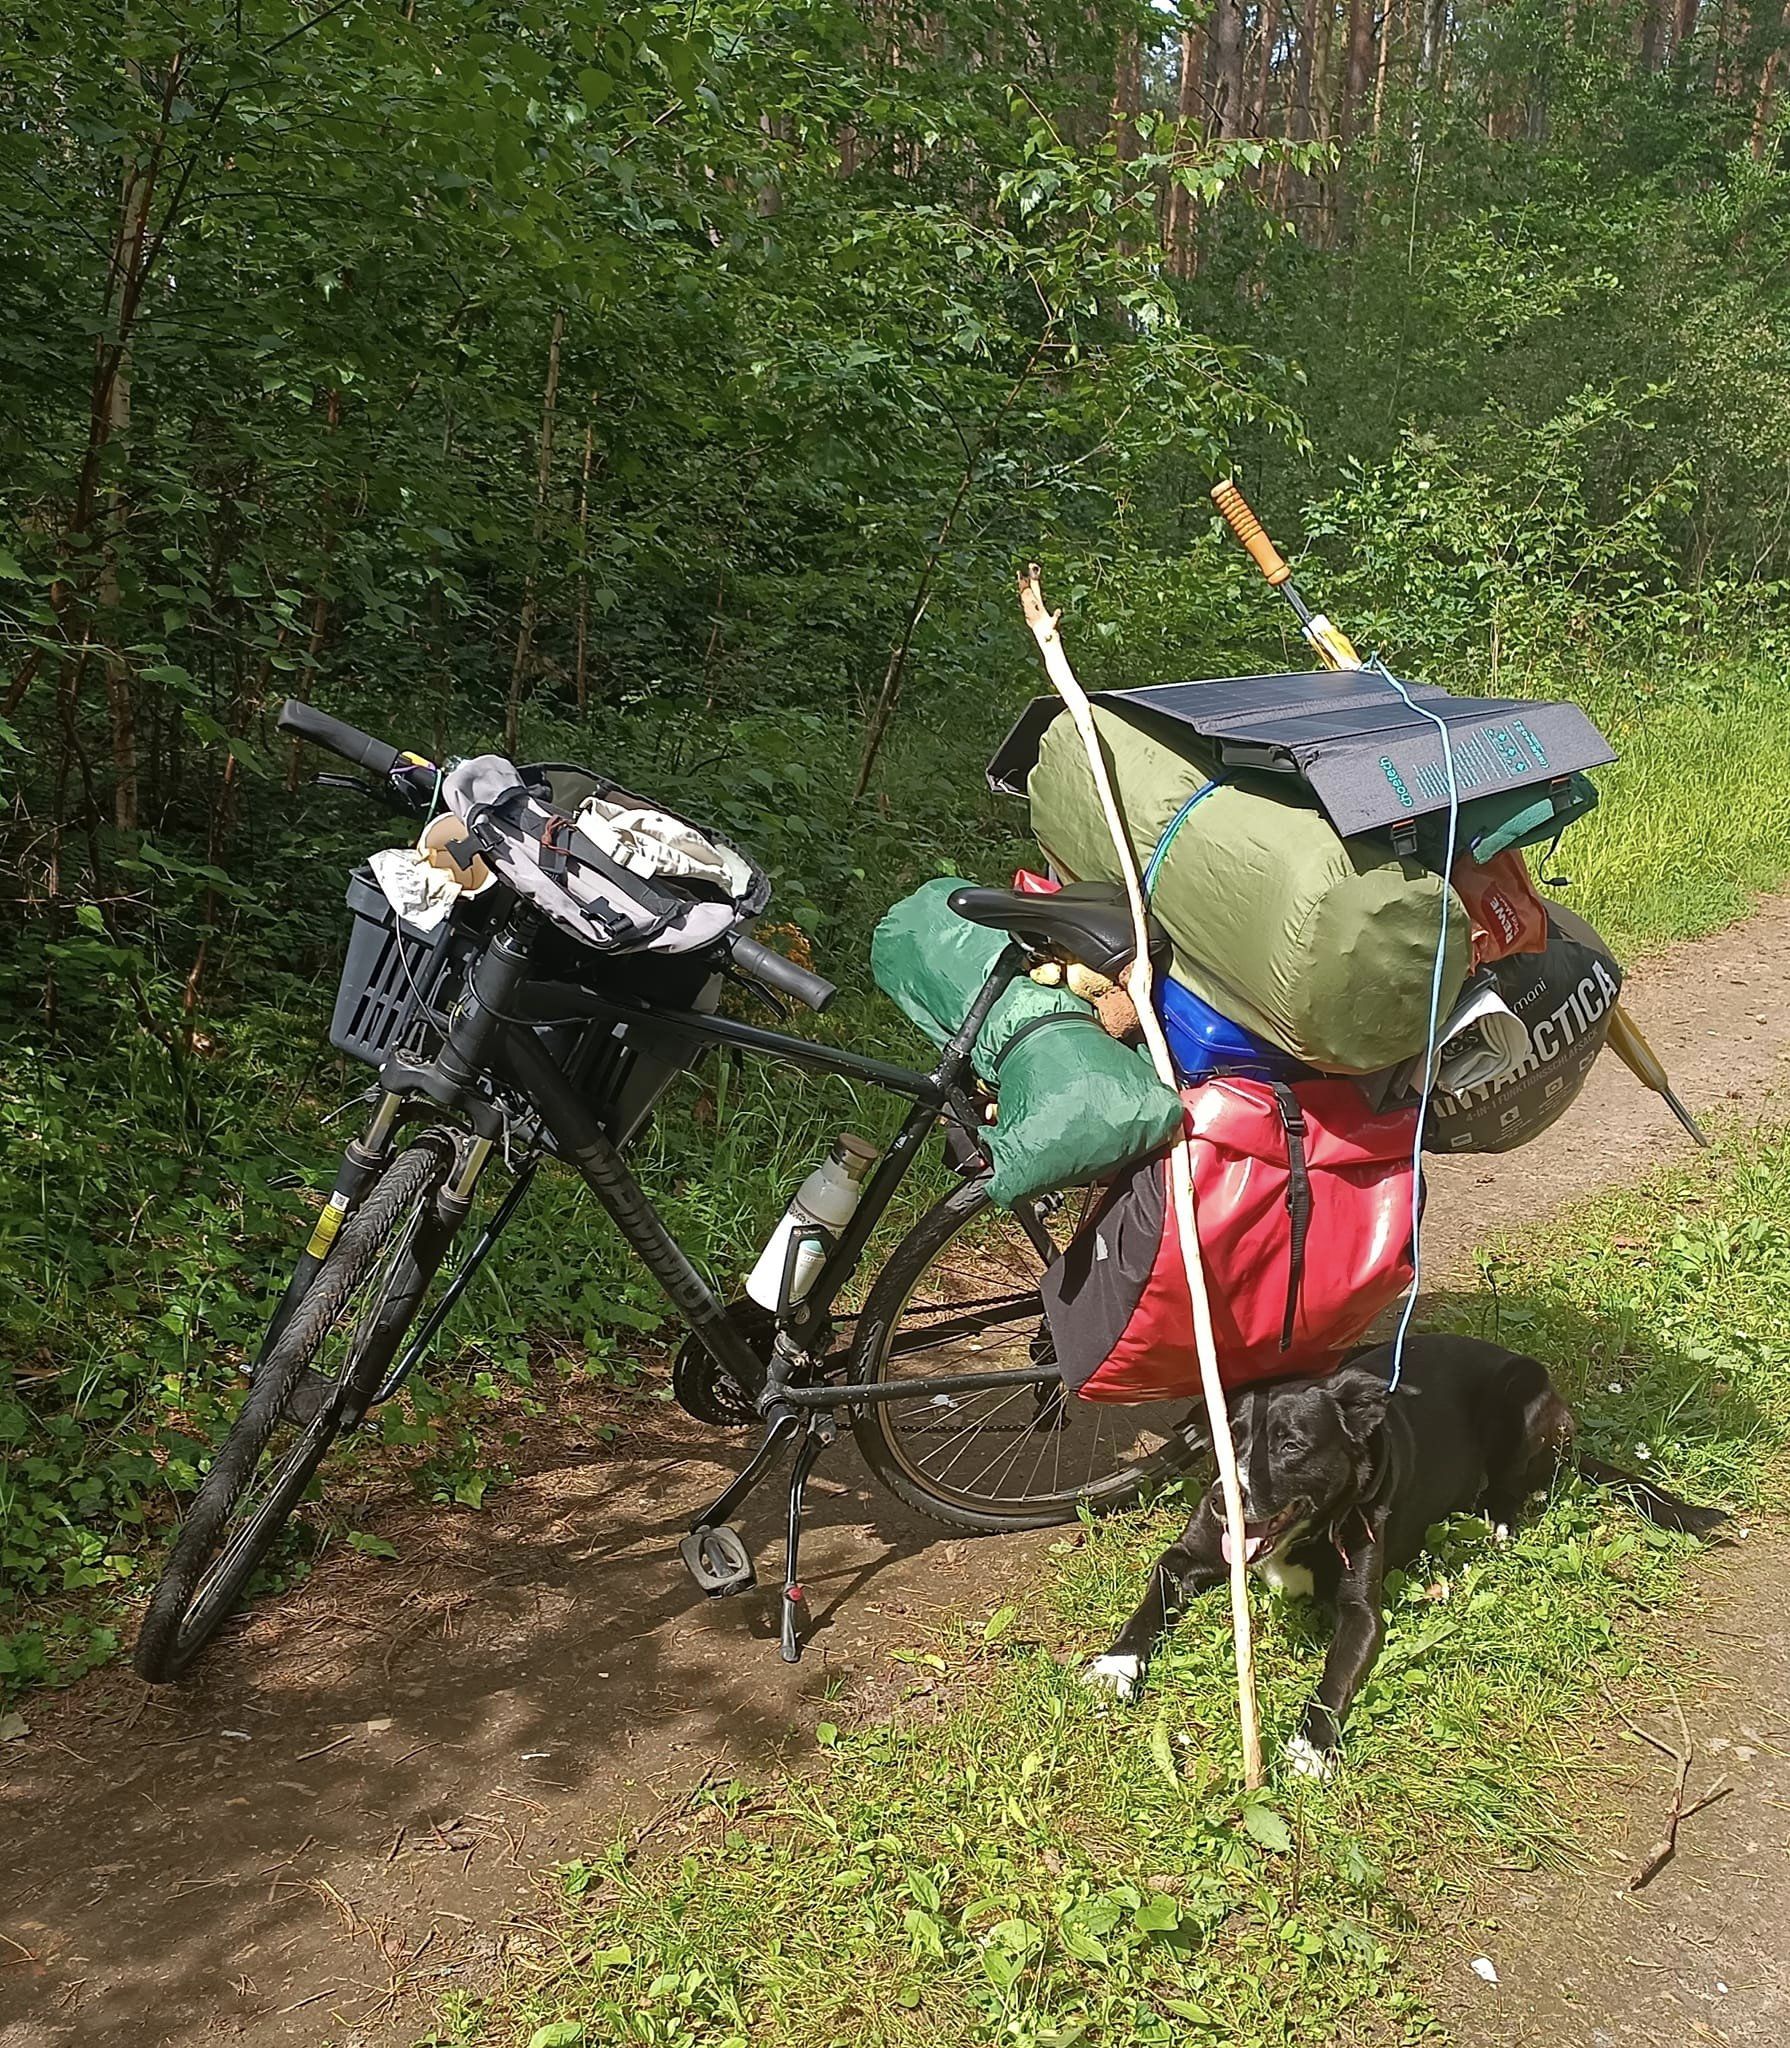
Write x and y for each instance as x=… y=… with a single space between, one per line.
x=1303 y=1201
x=616 y=873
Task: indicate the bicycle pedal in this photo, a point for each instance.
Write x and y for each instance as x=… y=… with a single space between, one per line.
x=718 y=1561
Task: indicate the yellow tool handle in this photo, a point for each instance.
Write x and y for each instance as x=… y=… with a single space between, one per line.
x=1248 y=529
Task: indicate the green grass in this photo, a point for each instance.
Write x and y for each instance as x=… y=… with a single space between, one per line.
x=1693 y=820
x=1028 y=1868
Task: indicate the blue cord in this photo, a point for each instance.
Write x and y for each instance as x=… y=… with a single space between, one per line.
x=1171 y=828
x=1429 y=1053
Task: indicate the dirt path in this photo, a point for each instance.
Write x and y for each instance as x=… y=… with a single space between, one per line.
x=346 y=1807
x=1702 y=1953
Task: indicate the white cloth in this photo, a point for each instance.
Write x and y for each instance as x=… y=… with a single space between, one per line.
x=421 y=895
x=1483 y=1042
x=648 y=842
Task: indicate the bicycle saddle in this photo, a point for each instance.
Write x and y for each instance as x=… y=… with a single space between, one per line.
x=1085 y=921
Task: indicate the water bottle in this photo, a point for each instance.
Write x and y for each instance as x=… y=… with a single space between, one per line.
x=825 y=1201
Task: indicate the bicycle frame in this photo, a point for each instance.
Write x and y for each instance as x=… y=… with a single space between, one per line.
x=492 y=1034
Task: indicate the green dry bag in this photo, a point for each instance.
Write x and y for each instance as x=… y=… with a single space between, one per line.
x=1074 y=1104
x=1324 y=946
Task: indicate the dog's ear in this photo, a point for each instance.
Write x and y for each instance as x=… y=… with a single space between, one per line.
x=1360 y=1394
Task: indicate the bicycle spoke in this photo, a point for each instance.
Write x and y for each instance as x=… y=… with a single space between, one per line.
x=1022 y=1448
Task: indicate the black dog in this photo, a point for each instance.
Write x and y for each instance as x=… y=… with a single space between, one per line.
x=1341 y=1482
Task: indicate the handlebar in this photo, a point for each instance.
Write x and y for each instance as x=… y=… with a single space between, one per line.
x=774 y=970
x=750 y=956
x=306 y=722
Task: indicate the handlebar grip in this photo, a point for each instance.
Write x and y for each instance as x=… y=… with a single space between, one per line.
x=1248 y=529
x=774 y=970
x=306 y=722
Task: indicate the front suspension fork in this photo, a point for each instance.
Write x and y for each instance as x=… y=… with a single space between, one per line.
x=361 y=1165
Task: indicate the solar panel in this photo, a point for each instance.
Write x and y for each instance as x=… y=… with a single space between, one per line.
x=1368 y=758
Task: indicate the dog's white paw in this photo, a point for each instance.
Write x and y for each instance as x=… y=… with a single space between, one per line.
x=1309 y=1760
x=1500 y=1532
x=1123 y=1676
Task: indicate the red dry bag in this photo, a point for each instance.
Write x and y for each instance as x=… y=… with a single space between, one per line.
x=1303 y=1198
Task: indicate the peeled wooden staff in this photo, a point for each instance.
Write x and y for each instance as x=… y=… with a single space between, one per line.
x=1138 y=982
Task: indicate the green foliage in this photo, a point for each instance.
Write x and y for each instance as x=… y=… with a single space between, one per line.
x=1032 y=1866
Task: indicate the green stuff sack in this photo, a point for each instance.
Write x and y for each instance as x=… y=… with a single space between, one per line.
x=1323 y=945
x=1075 y=1104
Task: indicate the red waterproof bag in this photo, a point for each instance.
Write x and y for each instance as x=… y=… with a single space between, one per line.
x=1304 y=1206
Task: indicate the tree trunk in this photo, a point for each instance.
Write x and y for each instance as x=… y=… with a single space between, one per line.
x=1227 y=69
x=1183 y=251
x=525 y=631
x=109 y=422
x=882 y=709
x=332 y=419
x=583 y=628
x=1127 y=89
x=1357 y=62
x=1765 y=97
x=1268 y=36
x=1435 y=25
x=1654 y=40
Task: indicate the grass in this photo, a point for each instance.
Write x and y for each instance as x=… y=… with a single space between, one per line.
x=1694 y=817
x=1020 y=1866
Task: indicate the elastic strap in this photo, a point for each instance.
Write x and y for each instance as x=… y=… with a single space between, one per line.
x=1298 y=1202
x=1173 y=826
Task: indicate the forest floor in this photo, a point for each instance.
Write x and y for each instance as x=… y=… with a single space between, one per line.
x=345 y=1813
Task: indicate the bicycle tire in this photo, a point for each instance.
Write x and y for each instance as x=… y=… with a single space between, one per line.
x=882 y=1440
x=209 y=1566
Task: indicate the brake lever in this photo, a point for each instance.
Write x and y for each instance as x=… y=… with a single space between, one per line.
x=376 y=792
x=773 y=1002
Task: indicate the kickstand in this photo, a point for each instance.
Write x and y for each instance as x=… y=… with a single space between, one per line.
x=818 y=1435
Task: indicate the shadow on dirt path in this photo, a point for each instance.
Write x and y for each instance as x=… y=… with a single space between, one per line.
x=347 y=1804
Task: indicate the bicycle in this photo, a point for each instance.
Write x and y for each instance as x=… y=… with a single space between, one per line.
x=515 y=1045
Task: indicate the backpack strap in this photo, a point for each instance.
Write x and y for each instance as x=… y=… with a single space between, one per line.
x=1292 y=1120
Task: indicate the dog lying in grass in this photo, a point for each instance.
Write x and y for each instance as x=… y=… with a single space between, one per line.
x=1342 y=1481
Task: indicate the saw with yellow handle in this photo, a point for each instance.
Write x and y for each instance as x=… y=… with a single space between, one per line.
x=1333 y=648
x=1330 y=643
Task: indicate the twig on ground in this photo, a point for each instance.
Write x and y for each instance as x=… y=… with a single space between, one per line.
x=325 y=1748
x=1681 y=1755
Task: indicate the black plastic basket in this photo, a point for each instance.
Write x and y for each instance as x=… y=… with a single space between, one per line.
x=394 y=979
x=390 y=977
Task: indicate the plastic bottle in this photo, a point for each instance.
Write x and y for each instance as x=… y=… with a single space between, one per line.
x=825 y=1200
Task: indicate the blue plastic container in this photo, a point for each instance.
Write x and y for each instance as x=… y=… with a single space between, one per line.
x=1205 y=1041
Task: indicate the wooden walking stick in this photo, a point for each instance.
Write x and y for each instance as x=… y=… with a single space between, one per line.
x=1138 y=982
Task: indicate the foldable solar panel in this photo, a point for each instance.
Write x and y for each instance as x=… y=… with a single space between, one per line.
x=1369 y=759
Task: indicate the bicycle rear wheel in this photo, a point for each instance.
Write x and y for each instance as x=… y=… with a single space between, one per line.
x=317 y=1377
x=960 y=1295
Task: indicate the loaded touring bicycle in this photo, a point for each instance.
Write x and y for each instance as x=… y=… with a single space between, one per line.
x=540 y=1018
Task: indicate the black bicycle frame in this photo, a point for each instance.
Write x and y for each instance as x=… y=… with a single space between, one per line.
x=494 y=1033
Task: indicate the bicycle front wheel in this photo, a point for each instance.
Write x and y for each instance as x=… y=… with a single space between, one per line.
x=960 y=1295
x=318 y=1375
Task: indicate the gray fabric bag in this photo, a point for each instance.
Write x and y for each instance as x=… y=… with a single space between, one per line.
x=539 y=827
